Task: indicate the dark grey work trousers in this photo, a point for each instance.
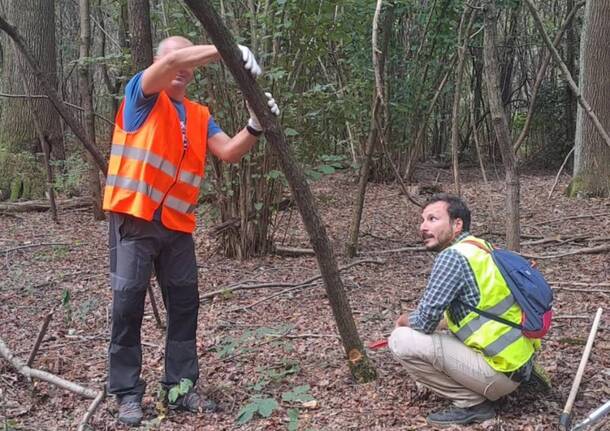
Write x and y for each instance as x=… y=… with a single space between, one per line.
x=137 y=247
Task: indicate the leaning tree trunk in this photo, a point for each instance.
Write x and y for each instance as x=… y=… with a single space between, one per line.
x=361 y=367
x=85 y=86
x=36 y=18
x=500 y=123
x=592 y=155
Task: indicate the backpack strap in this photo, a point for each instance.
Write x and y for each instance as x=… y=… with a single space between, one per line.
x=479 y=245
x=488 y=249
x=493 y=316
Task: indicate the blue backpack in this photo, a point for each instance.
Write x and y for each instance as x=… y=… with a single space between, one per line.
x=528 y=287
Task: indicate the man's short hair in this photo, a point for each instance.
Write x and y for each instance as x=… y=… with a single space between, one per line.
x=456 y=208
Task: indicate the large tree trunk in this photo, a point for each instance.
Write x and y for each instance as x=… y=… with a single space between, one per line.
x=592 y=155
x=36 y=18
x=361 y=367
x=500 y=123
x=51 y=93
x=140 y=35
x=85 y=86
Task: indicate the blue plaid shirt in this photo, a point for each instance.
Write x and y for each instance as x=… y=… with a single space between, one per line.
x=451 y=279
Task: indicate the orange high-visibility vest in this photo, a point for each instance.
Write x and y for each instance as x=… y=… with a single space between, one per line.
x=160 y=164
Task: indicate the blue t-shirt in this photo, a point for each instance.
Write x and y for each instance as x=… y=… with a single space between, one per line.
x=137 y=107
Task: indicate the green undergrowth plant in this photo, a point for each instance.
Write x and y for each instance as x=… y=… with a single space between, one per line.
x=274 y=388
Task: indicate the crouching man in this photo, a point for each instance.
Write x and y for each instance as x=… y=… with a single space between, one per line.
x=481 y=359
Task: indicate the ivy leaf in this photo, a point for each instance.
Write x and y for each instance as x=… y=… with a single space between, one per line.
x=174 y=393
x=290 y=132
x=246 y=413
x=266 y=406
x=185 y=386
x=293 y=416
x=298 y=394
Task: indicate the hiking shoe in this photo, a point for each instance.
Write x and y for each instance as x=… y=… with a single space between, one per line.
x=539 y=380
x=194 y=403
x=130 y=412
x=462 y=416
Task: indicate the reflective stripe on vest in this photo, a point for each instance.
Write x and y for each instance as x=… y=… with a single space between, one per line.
x=144 y=156
x=136 y=186
x=503 y=347
x=475 y=324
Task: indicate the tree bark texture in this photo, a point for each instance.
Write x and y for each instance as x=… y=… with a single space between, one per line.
x=500 y=124
x=86 y=86
x=50 y=91
x=361 y=367
x=36 y=18
x=592 y=154
x=140 y=40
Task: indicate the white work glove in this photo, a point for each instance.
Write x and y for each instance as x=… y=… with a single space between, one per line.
x=249 y=61
x=253 y=121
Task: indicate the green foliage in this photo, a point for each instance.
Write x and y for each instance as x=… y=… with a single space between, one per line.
x=248 y=340
x=10 y=425
x=21 y=176
x=298 y=394
x=261 y=406
x=71 y=176
x=179 y=390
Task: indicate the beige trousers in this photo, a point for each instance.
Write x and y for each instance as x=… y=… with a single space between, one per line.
x=447 y=366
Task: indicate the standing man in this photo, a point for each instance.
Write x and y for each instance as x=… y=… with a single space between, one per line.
x=482 y=359
x=156 y=166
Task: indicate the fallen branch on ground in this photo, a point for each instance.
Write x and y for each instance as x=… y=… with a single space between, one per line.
x=581 y=290
x=232 y=288
x=571 y=218
x=30 y=373
x=42 y=244
x=591 y=250
x=293 y=251
x=43 y=205
x=577 y=283
x=396 y=250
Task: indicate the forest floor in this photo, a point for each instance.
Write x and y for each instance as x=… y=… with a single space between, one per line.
x=288 y=343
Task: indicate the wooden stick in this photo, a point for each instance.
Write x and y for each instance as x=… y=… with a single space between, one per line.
x=41 y=334
x=92 y=407
x=43 y=244
x=28 y=372
x=565 y=418
x=559 y=172
x=153 y=305
x=590 y=250
x=241 y=286
x=546 y=222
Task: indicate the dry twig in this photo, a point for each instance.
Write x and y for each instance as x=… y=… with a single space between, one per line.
x=30 y=373
x=241 y=286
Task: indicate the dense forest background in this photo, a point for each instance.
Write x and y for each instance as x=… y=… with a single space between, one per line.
x=382 y=103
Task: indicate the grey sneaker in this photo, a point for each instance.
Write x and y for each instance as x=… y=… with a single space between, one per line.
x=462 y=416
x=194 y=403
x=130 y=412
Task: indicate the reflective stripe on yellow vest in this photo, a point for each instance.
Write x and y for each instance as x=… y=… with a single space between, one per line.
x=503 y=347
x=161 y=163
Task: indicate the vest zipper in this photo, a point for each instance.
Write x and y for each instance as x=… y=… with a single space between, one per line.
x=184 y=148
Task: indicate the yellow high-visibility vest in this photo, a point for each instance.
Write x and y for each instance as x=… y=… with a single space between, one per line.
x=504 y=348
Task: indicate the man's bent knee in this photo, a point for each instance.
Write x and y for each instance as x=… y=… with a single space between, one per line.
x=407 y=343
